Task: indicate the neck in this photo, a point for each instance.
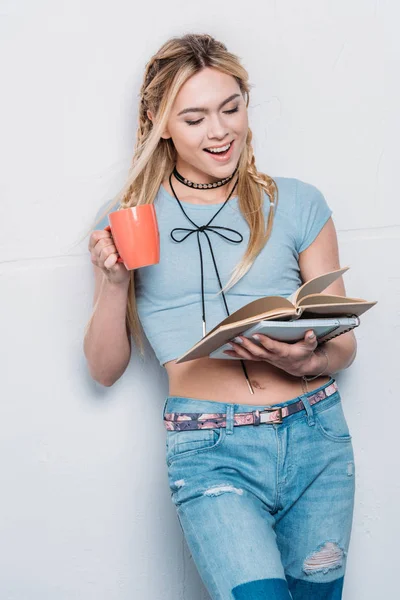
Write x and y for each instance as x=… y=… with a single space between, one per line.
x=212 y=196
x=218 y=194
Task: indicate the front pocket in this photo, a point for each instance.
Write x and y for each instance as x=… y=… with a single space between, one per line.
x=180 y=444
x=332 y=423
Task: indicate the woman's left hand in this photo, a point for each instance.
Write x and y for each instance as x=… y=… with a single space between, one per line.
x=297 y=358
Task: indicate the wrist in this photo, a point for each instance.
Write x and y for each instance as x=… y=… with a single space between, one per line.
x=317 y=364
x=114 y=286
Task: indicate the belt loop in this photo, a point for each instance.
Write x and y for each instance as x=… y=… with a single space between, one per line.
x=309 y=409
x=163 y=410
x=230 y=410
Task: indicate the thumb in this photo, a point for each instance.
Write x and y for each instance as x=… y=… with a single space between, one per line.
x=310 y=337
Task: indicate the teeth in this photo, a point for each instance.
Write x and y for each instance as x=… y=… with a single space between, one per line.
x=217 y=150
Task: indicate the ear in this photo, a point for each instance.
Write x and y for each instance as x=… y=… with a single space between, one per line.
x=166 y=135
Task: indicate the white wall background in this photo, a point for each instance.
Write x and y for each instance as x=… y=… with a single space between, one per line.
x=85 y=509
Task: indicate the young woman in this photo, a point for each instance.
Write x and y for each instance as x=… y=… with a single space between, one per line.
x=259 y=455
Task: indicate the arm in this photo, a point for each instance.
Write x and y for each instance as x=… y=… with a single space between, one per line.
x=317 y=254
x=320 y=257
x=107 y=346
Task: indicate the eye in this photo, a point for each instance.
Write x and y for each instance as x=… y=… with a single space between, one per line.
x=228 y=112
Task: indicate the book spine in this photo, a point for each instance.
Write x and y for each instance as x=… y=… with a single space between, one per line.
x=326 y=339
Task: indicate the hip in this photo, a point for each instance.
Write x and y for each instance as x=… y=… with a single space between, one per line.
x=233 y=444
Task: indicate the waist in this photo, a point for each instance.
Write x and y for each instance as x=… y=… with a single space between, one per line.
x=224 y=381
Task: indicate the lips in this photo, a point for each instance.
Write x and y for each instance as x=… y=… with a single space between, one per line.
x=221 y=157
x=210 y=152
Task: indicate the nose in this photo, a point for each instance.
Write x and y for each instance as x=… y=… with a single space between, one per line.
x=217 y=130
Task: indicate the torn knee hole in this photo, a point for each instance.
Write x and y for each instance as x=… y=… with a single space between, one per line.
x=328 y=556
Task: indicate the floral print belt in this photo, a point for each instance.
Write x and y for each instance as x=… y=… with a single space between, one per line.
x=184 y=421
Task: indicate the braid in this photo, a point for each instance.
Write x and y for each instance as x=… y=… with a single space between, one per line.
x=263 y=180
x=144 y=124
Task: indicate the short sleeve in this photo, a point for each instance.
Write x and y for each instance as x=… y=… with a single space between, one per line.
x=311 y=211
x=104 y=221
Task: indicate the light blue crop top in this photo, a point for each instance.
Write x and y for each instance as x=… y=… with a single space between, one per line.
x=168 y=294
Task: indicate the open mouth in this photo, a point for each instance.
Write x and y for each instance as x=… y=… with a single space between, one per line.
x=218 y=154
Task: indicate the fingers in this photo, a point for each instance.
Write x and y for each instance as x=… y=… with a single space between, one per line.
x=110 y=260
x=106 y=250
x=287 y=356
x=103 y=251
x=250 y=350
x=275 y=347
x=265 y=347
x=283 y=349
x=311 y=339
x=98 y=234
x=238 y=350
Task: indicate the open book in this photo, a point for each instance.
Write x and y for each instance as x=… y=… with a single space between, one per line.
x=306 y=302
x=325 y=328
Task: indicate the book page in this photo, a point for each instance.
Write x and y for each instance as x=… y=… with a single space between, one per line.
x=255 y=308
x=318 y=284
x=336 y=309
x=320 y=299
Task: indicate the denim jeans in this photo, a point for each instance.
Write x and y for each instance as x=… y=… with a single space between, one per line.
x=266 y=510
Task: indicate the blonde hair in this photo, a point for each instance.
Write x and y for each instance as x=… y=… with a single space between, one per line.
x=154 y=157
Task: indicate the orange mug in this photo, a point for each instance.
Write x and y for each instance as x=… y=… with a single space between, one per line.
x=136 y=236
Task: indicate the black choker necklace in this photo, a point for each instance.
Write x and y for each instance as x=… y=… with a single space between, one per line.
x=202 y=186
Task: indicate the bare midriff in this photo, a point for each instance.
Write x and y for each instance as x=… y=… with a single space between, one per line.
x=224 y=381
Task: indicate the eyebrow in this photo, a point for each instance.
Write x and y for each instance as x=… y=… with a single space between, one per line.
x=205 y=110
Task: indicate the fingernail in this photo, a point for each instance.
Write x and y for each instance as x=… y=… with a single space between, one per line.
x=311 y=335
x=255 y=336
x=238 y=340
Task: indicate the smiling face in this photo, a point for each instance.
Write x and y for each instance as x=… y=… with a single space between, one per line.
x=223 y=119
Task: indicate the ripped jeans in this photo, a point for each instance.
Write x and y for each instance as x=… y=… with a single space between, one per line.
x=266 y=510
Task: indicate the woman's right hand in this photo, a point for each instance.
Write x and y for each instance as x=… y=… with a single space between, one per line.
x=104 y=255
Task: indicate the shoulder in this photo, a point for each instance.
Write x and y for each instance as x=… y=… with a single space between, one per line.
x=291 y=188
x=101 y=218
x=295 y=194
x=286 y=189
x=286 y=185
x=304 y=207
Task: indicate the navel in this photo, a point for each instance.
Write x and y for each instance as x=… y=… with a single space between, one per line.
x=256 y=385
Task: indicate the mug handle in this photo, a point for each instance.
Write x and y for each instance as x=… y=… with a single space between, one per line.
x=108 y=228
